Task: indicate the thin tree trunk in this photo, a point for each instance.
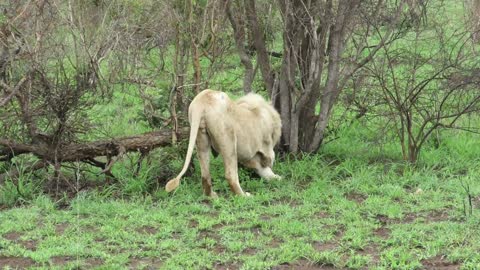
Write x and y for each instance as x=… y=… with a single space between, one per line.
x=239 y=42
x=182 y=51
x=285 y=103
x=259 y=43
x=197 y=69
x=475 y=19
x=336 y=44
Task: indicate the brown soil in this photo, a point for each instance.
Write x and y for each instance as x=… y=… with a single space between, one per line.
x=93 y=262
x=225 y=266
x=146 y=263
x=218 y=226
x=193 y=223
x=275 y=243
x=62 y=260
x=437 y=216
x=432 y=216
x=147 y=230
x=12 y=236
x=28 y=244
x=322 y=214
x=356 y=197
x=218 y=248
x=382 y=232
x=320 y=247
x=439 y=263
x=16 y=262
x=15 y=237
x=303 y=265
x=60 y=228
x=250 y=251
x=371 y=250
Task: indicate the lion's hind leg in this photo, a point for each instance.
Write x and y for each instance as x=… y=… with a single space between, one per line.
x=203 y=152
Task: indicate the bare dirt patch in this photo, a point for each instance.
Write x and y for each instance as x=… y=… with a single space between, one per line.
x=16 y=262
x=62 y=260
x=431 y=216
x=60 y=228
x=371 y=250
x=320 y=247
x=356 y=197
x=437 y=216
x=86 y=262
x=145 y=263
x=408 y=218
x=12 y=236
x=100 y=239
x=284 y=201
x=249 y=251
x=439 y=262
x=226 y=266
x=90 y=228
x=275 y=243
x=266 y=217
x=322 y=214
x=218 y=247
x=147 y=230
x=93 y=262
x=208 y=234
x=256 y=230
x=303 y=265
x=193 y=223
x=476 y=202
x=218 y=226
x=28 y=244
x=382 y=232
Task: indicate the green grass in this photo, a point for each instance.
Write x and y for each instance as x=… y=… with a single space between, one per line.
x=355 y=205
x=339 y=208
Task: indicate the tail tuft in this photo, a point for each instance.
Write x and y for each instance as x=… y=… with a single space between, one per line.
x=172 y=184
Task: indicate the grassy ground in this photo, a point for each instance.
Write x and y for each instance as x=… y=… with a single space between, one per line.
x=355 y=206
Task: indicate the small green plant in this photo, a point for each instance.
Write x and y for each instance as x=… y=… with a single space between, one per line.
x=468 y=197
x=20 y=189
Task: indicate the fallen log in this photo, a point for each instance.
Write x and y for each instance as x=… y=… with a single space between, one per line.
x=88 y=152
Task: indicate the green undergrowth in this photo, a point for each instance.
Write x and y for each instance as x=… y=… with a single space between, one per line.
x=355 y=205
x=343 y=208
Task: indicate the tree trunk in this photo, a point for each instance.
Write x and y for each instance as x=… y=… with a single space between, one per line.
x=475 y=19
x=239 y=37
x=308 y=27
x=260 y=46
x=331 y=91
x=197 y=69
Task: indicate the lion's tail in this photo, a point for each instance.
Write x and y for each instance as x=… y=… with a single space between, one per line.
x=195 y=124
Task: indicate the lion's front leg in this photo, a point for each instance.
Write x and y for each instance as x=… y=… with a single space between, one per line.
x=229 y=154
x=231 y=173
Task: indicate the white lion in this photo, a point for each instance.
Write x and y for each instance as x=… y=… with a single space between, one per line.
x=243 y=131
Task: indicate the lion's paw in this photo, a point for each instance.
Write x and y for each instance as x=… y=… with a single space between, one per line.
x=277 y=177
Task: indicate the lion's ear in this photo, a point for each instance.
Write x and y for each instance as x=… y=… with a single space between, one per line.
x=265 y=161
